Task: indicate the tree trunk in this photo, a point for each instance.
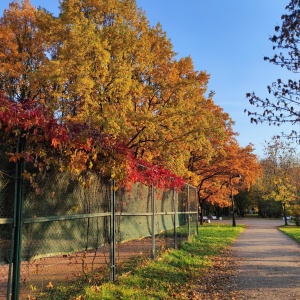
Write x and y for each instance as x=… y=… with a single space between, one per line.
x=201 y=213
x=284 y=214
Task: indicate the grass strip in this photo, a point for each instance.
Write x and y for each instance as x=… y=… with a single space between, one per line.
x=291 y=231
x=174 y=271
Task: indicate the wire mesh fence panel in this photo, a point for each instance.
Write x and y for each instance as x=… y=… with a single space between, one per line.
x=183 y=208
x=7 y=174
x=166 y=218
x=189 y=218
x=134 y=224
x=5 y=246
x=67 y=233
x=61 y=256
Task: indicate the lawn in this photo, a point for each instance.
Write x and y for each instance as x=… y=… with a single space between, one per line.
x=172 y=272
x=292 y=231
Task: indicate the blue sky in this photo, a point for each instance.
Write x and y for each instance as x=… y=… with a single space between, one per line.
x=228 y=39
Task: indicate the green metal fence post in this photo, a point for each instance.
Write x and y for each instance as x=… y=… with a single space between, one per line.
x=18 y=221
x=153 y=221
x=8 y=289
x=112 y=231
x=197 y=220
x=175 y=216
x=197 y=224
x=189 y=216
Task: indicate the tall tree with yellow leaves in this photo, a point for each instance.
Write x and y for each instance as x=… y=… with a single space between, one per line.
x=281 y=168
x=101 y=67
x=124 y=80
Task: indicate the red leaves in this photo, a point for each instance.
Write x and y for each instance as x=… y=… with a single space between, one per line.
x=148 y=174
x=26 y=115
x=73 y=146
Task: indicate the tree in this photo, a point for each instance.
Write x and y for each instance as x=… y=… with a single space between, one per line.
x=221 y=173
x=131 y=87
x=22 y=53
x=112 y=84
x=257 y=203
x=284 y=107
x=102 y=67
x=246 y=200
x=124 y=84
x=280 y=174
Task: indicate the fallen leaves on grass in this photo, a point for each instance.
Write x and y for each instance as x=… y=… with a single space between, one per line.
x=216 y=283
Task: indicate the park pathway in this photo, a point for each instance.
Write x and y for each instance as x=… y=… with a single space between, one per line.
x=267 y=262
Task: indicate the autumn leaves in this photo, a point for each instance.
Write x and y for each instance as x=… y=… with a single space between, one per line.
x=113 y=84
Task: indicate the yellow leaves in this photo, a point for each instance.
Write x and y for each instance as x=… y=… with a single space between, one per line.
x=27 y=175
x=283 y=189
x=281 y=170
x=49 y=285
x=78 y=161
x=100 y=63
x=74 y=208
x=32 y=287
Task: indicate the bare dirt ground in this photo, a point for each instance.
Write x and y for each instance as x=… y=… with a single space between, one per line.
x=37 y=274
x=263 y=264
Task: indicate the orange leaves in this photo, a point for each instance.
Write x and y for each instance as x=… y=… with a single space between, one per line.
x=54 y=142
x=14 y=157
x=100 y=67
x=22 y=51
x=107 y=95
x=229 y=167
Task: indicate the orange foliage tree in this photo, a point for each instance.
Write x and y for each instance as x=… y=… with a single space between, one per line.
x=222 y=173
x=106 y=78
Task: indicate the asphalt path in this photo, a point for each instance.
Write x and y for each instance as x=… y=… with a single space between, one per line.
x=267 y=262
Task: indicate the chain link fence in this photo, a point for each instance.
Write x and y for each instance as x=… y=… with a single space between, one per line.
x=72 y=231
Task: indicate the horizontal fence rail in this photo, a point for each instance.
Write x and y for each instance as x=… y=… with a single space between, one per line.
x=84 y=216
x=71 y=233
